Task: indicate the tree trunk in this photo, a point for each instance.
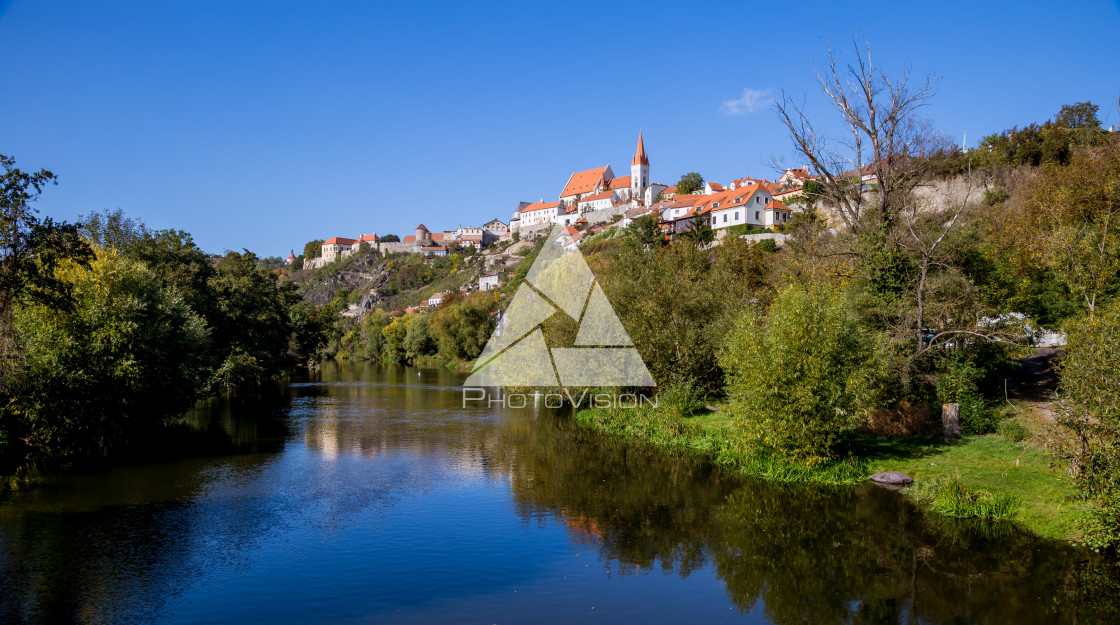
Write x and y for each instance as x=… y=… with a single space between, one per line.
x=951 y=420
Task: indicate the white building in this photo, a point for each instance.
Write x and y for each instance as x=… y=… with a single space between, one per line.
x=538 y=213
x=489 y=281
x=597 y=201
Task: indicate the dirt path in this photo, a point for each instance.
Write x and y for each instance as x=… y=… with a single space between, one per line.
x=1034 y=382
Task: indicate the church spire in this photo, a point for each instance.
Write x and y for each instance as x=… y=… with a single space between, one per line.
x=640 y=155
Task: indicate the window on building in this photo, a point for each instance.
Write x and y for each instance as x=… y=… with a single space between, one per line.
x=736 y=216
x=756 y=215
x=725 y=218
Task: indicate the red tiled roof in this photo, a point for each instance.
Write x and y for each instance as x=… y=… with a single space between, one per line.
x=339 y=240
x=776 y=205
x=536 y=206
x=291 y=256
x=366 y=238
x=587 y=181
x=411 y=238
x=715 y=186
x=598 y=196
x=421 y=227
x=620 y=182
x=433 y=248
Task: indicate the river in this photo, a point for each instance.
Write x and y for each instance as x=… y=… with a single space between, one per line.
x=367 y=494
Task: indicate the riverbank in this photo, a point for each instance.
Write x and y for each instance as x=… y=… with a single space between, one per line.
x=989 y=468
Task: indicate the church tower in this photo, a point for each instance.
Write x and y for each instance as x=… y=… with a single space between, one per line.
x=639 y=170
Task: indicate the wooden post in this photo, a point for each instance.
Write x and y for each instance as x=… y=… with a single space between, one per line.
x=950 y=420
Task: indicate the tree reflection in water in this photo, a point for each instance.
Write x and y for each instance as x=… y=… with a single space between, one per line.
x=119 y=545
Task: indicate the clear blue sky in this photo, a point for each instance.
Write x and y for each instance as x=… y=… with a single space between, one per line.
x=262 y=125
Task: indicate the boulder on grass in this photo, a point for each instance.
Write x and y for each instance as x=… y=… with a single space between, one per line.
x=892 y=479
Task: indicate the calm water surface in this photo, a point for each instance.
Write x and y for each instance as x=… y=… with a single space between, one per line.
x=368 y=495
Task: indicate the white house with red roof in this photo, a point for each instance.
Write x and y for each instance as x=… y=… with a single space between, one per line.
x=597 y=201
x=537 y=214
x=337 y=247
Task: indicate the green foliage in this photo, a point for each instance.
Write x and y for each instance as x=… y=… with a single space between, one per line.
x=681 y=397
x=1013 y=430
x=126 y=355
x=800 y=376
x=462 y=328
x=515 y=237
x=30 y=251
x=418 y=341
x=767 y=245
x=699 y=231
x=949 y=496
x=390 y=238
x=714 y=440
x=645 y=232
x=313 y=249
x=995 y=196
x=678 y=302
x=690 y=183
x=394 y=334
x=960 y=385
x=1090 y=411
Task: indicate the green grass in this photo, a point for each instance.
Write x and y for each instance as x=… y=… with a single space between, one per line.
x=987 y=463
x=987 y=477
x=949 y=496
x=710 y=434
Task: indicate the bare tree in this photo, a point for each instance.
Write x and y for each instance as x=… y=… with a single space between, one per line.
x=881 y=131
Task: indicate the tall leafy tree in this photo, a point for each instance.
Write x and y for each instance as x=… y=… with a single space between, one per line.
x=30 y=250
x=690 y=183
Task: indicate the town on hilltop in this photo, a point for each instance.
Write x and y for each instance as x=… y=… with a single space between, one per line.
x=594 y=200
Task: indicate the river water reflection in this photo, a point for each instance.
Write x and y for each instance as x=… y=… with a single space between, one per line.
x=368 y=494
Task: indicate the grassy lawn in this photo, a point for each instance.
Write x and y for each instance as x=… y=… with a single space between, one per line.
x=989 y=464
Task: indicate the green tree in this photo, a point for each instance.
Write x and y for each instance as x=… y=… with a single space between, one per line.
x=462 y=328
x=801 y=375
x=1089 y=410
x=699 y=231
x=128 y=354
x=390 y=238
x=645 y=232
x=251 y=327
x=30 y=251
x=690 y=183
x=418 y=340
x=394 y=335
x=678 y=303
x=1078 y=115
x=312 y=249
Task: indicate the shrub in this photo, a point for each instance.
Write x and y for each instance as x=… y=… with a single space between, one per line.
x=994 y=196
x=1012 y=430
x=681 y=397
x=801 y=376
x=1089 y=409
x=959 y=385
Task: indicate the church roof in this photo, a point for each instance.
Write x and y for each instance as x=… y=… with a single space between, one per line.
x=621 y=182
x=640 y=156
x=587 y=181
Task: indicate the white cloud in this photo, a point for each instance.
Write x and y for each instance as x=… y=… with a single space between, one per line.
x=752 y=100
